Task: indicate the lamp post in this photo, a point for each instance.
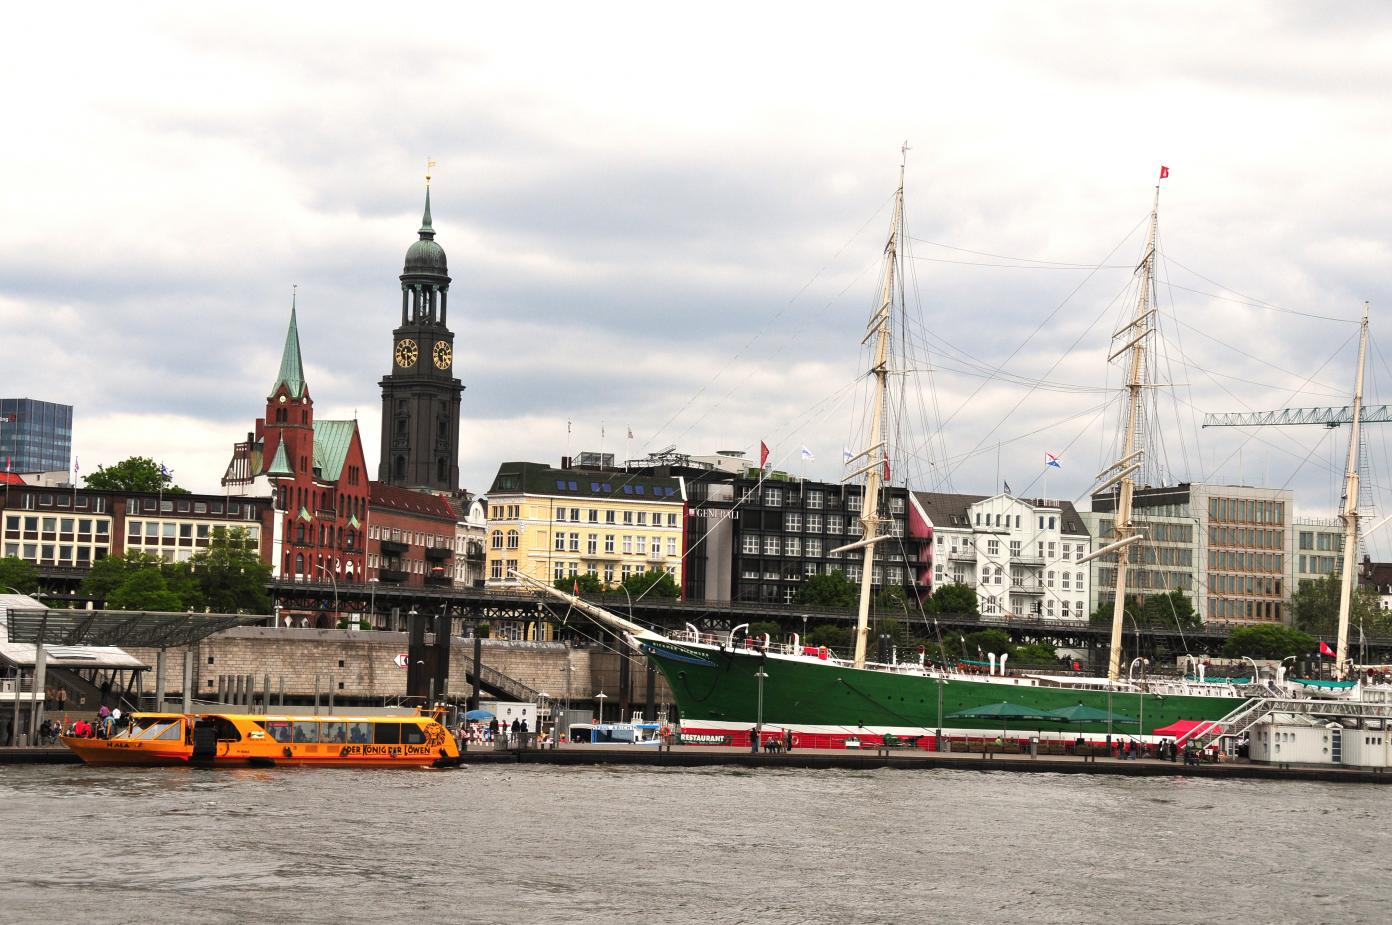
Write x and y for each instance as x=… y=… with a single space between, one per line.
x=332 y=581
x=275 y=608
x=761 y=675
x=372 y=600
x=601 y=697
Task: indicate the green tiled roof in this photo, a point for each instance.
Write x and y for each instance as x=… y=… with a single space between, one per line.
x=331 y=442
x=540 y=479
x=291 y=367
x=281 y=464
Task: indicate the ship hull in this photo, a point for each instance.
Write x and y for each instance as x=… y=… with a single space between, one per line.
x=718 y=689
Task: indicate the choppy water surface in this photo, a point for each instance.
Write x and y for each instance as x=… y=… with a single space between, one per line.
x=517 y=844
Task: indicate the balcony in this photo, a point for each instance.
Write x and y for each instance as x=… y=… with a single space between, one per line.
x=1026 y=587
x=961 y=555
x=438 y=553
x=391 y=574
x=1028 y=560
x=394 y=548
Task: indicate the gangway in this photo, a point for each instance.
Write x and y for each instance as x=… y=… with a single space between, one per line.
x=1257 y=709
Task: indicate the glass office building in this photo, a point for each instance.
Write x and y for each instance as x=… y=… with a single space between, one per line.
x=35 y=436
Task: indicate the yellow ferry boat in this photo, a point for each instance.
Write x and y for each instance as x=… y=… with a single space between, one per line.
x=257 y=740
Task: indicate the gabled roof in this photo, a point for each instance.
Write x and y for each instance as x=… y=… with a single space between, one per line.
x=941 y=507
x=281 y=464
x=291 y=367
x=331 y=442
x=391 y=497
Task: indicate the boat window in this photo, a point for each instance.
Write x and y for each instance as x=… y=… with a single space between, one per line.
x=171 y=734
x=359 y=733
x=386 y=733
x=154 y=730
x=412 y=734
x=333 y=732
x=307 y=732
x=279 y=729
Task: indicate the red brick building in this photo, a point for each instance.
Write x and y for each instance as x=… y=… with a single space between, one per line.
x=410 y=537
x=315 y=472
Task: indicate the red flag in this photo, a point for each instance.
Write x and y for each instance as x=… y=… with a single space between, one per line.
x=1164 y=172
x=1324 y=648
x=577 y=587
x=763 y=454
x=886 y=468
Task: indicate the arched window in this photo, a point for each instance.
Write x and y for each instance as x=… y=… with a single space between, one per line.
x=497 y=539
x=299 y=563
x=299 y=533
x=512 y=539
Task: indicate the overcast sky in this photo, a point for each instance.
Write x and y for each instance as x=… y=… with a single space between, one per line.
x=673 y=222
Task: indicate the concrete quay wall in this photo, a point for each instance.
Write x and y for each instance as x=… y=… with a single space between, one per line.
x=362 y=664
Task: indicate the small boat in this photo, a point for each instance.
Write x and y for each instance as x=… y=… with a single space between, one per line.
x=615 y=733
x=257 y=740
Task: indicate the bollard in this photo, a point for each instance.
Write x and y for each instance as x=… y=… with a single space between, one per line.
x=266 y=695
x=316 y=695
x=331 y=694
x=250 y=700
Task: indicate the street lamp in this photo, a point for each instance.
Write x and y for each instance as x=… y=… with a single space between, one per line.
x=759 y=716
x=601 y=696
x=410 y=617
x=275 y=608
x=333 y=581
x=372 y=598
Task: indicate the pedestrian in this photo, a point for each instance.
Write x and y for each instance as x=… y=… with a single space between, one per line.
x=787 y=740
x=62 y=698
x=753 y=740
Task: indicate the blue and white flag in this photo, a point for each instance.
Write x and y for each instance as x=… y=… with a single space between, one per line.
x=1007 y=487
x=845 y=455
x=164 y=473
x=807 y=454
x=1052 y=460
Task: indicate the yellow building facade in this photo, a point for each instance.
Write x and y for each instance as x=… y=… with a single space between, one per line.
x=555 y=523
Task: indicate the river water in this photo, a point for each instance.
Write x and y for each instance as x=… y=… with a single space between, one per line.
x=588 y=845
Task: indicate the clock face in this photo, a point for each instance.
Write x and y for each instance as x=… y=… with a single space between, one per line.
x=407 y=353
x=282 y=399
x=443 y=355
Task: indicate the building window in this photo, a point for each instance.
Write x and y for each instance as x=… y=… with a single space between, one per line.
x=792 y=522
x=560 y=541
x=592 y=543
x=512 y=539
x=749 y=544
x=771 y=545
x=814 y=499
x=608 y=542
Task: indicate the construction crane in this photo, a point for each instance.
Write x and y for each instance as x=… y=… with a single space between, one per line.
x=1329 y=417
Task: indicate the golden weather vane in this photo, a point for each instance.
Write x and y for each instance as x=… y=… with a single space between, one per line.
x=429 y=166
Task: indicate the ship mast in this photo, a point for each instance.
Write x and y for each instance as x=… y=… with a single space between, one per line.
x=1134 y=335
x=1349 y=515
x=876 y=453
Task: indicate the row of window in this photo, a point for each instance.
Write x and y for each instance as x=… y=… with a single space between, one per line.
x=1320 y=565
x=1220 y=608
x=773 y=496
x=409 y=537
x=1067 y=609
x=1246 y=536
x=177 y=505
x=1229 y=560
x=1244 y=584
x=30 y=501
x=561 y=570
x=1322 y=542
x=1248 y=510
x=56 y=528
x=178 y=533
x=629 y=518
x=70 y=554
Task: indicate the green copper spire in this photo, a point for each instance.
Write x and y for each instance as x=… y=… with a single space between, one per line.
x=427 y=231
x=291 y=367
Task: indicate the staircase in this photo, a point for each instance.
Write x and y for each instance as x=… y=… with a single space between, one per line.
x=79 y=687
x=495 y=682
x=1254 y=711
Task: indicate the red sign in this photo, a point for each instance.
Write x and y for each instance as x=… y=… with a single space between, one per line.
x=402 y=660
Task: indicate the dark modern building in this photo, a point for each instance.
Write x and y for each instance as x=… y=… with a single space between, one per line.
x=35 y=436
x=420 y=396
x=781 y=533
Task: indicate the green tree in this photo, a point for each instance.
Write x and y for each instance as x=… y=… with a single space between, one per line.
x=144 y=589
x=1315 y=607
x=1035 y=653
x=992 y=640
x=18 y=574
x=589 y=584
x=136 y=473
x=107 y=574
x=651 y=584
x=1268 y=640
x=953 y=598
x=765 y=627
x=228 y=576
x=1169 y=609
x=831 y=636
x=834 y=590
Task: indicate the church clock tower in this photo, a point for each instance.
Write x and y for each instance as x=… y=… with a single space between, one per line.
x=420 y=396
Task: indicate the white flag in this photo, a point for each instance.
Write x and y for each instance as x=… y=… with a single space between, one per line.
x=845 y=455
x=807 y=454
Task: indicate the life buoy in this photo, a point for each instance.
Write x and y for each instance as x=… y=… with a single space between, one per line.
x=822 y=653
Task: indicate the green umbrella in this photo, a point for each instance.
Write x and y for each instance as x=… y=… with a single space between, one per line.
x=1078 y=713
x=1000 y=710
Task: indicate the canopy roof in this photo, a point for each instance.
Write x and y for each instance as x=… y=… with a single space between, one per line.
x=25 y=620
x=1185 y=729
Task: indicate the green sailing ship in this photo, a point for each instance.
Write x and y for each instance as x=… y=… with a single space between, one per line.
x=728 y=690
